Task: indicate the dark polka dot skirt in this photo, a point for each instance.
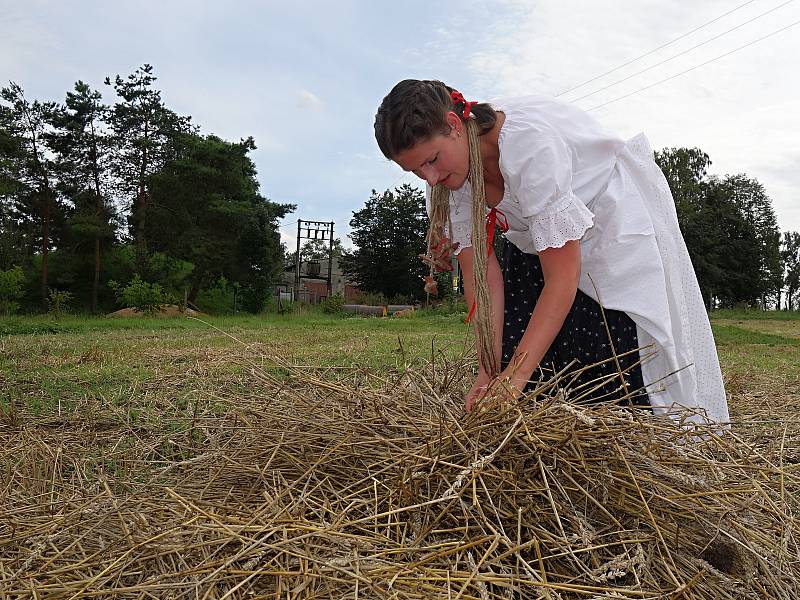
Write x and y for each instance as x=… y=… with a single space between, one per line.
x=583 y=338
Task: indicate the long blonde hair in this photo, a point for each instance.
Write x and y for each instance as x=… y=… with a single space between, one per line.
x=440 y=216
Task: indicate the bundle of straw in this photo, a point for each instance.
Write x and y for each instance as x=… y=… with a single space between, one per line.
x=367 y=486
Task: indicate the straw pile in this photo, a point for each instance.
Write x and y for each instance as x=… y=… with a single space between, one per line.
x=358 y=485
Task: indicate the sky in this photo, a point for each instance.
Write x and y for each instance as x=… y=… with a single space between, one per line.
x=305 y=78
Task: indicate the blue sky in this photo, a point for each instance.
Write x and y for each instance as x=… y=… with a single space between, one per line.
x=304 y=78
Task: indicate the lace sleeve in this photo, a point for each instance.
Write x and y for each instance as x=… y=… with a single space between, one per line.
x=565 y=220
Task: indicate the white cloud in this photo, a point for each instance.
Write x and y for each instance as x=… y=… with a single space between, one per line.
x=309 y=100
x=743 y=110
x=272 y=70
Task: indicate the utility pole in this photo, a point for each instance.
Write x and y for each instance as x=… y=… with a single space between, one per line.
x=314 y=230
x=296 y=294
x=330 y=263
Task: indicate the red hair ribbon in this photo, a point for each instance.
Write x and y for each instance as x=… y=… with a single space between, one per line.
x=498 y=218
x=495 y=218
x=457 y=97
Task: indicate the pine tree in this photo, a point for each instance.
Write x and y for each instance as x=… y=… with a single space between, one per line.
x=29 y=123
x=83 y=149
x=144 y=130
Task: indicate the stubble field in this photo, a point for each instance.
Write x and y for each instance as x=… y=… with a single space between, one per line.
x=95 y=410
x=151 y=370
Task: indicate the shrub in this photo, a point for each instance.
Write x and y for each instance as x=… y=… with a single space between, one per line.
x=217 y=298
x=58 y=302
x=255 y=293
x=445 y=282
x=272 y=305
x=334 y=305
x=401 y=299
x=141 y=296
x=11 y=283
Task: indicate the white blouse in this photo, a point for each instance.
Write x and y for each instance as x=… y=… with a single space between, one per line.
x=554 y=160
x=567 y=179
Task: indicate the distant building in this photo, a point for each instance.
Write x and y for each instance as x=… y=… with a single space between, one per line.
x=314 y=282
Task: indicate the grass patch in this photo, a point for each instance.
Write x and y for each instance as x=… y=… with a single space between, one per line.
x=728 y=334
x=754 y=314
x=153 y=367
x=146 y=369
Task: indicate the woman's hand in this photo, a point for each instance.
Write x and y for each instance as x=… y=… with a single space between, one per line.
x=511 y=383
x=561 y=269
x=508 y=385
x=477 y=391
x=494 y=279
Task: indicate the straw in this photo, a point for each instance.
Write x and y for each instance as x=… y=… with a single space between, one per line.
x=350 y=483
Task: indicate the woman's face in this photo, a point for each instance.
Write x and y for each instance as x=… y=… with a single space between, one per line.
x=443 y=158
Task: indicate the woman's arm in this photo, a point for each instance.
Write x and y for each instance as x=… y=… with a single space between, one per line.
x=495 y=282
x=562 y=269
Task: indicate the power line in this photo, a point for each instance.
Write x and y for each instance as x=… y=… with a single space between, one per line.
x=680 y=37
x=666 y=60
x=695 y=67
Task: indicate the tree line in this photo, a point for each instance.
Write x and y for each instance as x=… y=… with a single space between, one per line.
x=731 y=231
x=92 y=194
x=96 y=198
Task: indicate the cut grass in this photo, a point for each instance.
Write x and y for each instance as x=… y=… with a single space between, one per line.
x=752 y=334
x=756 y=315
x=150 y=368
x=101 y=358
x=169 y=380
x=784 y=328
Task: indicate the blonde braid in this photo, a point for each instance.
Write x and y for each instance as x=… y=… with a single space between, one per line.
x=440 y=216
x=439 y=247
x=484 y=329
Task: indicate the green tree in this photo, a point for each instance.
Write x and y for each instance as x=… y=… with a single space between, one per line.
x=11 y=281
x=260 y=254
x=729 y=227
x=316 y=250
x=764 y=274
x=11 y=155
x=14 y=239
x=319 y=249
x=790 y=258
x=144 y=130
x=15 y=234
x=206 y=209
x=686 y=172
x=731 y=254
x=36 y=201
x=389 y=236
x=84 y=151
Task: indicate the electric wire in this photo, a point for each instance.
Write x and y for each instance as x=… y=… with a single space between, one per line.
x=680 y=37
x=666 y=60
x=647 y=87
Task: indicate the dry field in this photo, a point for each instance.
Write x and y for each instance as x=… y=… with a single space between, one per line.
x=313 y=456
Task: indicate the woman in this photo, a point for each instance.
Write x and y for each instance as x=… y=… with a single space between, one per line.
x=596 y=266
